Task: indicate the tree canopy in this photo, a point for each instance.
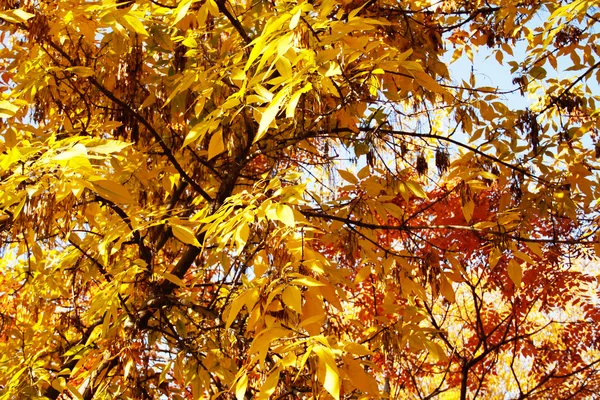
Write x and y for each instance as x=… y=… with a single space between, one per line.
x=298 y=199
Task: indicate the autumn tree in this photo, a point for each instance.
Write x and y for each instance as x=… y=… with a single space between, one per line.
x=279 y=199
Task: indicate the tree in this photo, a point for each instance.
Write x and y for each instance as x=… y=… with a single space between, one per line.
x=237 y=199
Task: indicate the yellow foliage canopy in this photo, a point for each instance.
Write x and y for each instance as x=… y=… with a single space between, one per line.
x=236 y=199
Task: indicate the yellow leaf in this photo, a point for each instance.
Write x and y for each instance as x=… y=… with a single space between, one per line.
x=74 y=392
x=135 y=24
x=216 y=145
x=535 y=248
x=197 y=132
x=76 y=151
x=523 y=256
x=446 y=289
x=348 y=176
x=284 y=67
x=241 y=235
x=185 y=235
x=248 y=298
x=173 y=279
x=81 y=71
x=268 y=116
x=329 y=293
x=109 y=147
x=267 y=389
x=7 y=109
x=436 y=350
x=416 y=189
x=313 y=313
x=113 y=191
x=213 y=8
x=181 y=10
x=468 y=209
x=307 y=281
x=357 y=349
x=293 y=103
x=12 y=157
x=494 y=257
x=515 y=272
x=240 y=387
x=15 y=16
x=292 y=298
x=285 y=214
x=331 y=381
x=151 y=99
x=262 y=342
x=190 y=42
x=359 y=378
x=295 y=19
x=334 y=69
x=263 y=92
x=260 y=264
x=59 y=384
x=362 y=274
x=235 y=309
x=127 y=367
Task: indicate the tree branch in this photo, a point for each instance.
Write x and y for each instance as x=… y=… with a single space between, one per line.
x=234 y=21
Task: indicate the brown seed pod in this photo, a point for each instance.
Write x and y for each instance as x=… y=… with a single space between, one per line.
x=442 y=160
x=421 y=165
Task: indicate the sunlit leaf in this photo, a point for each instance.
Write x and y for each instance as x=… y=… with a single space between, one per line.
x=185 y=234
x=113 y=191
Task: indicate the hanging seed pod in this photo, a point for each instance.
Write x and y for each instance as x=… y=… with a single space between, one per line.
x=179 y=58
x=527 y=123
x=39 y=27
x=442 y=160
x=421 y=165
x=403 y=149
x=370 y=159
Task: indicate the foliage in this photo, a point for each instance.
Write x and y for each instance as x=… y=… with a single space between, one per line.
x=237 y=199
